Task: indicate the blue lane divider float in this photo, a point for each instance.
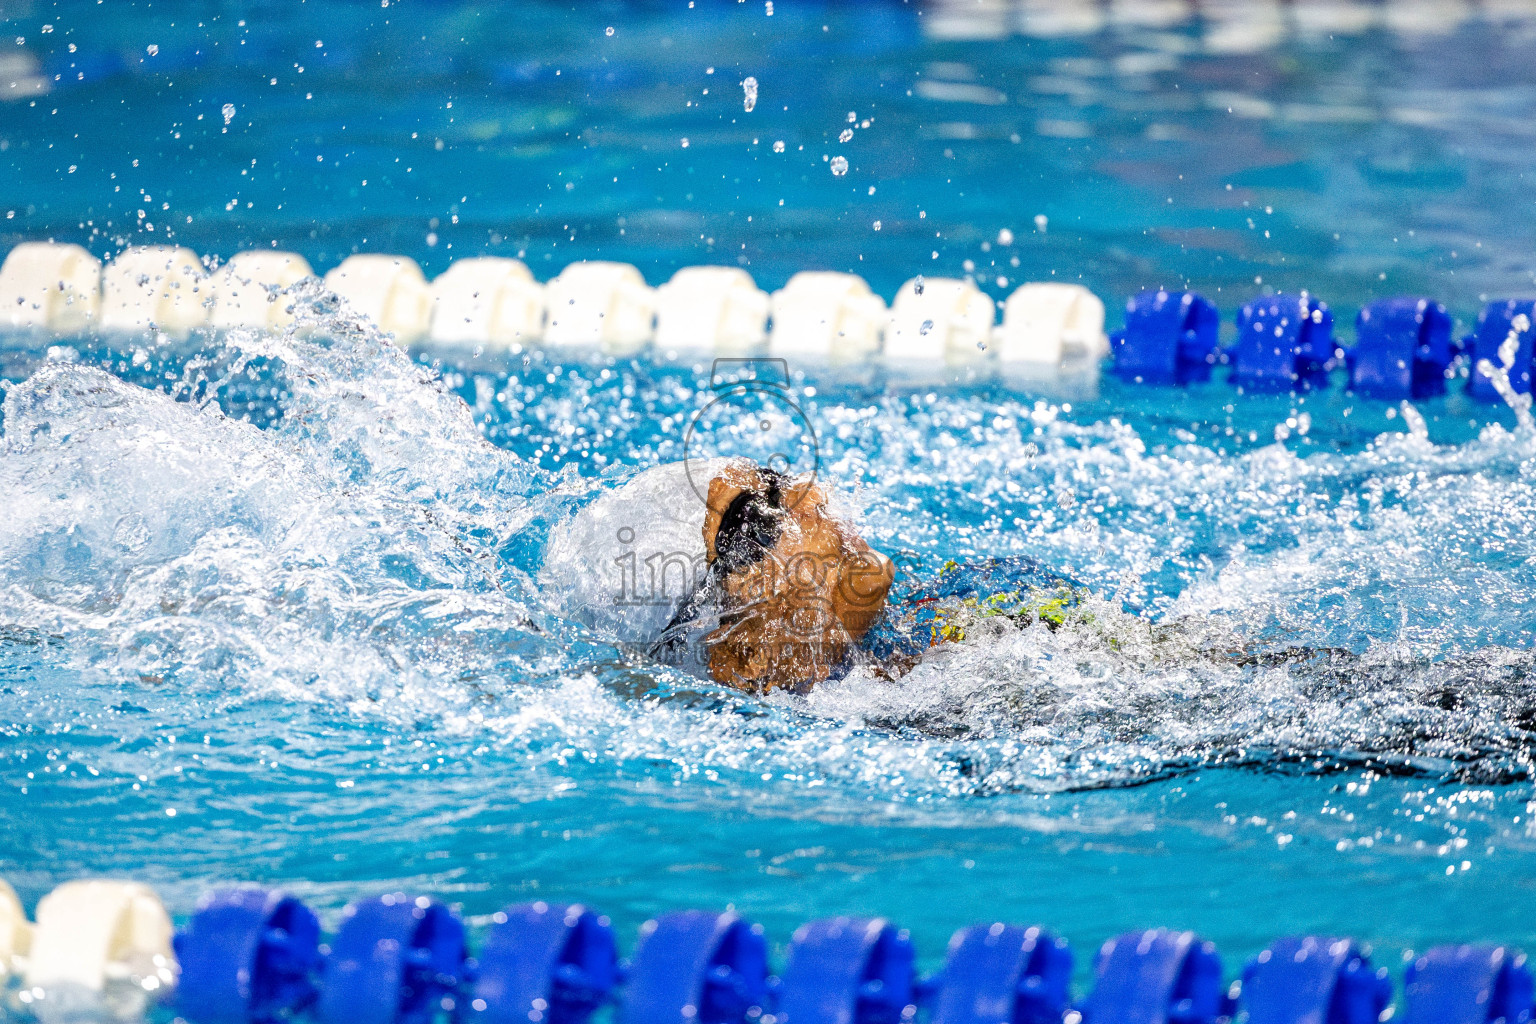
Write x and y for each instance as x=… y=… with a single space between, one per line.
x=848 y=970
x=1402 y=349
x=541 y=962
x=1156 y=977
x=396 y=960
x=1468 y=985
x=1312 y=978
x=696 y=966
x=1004 y=974
x=252 y=956
x=1283 y=341
x=248 y=954
x=1494 y=325
x=1169 y=338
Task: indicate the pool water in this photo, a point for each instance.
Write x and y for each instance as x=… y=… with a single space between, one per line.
x=275 y=607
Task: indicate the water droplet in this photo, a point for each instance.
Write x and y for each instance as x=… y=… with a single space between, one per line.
x=1040 y=222
x=778 y=147
x=917 y=285
x=608 y=31
x=927 y=326
x=839 y=166
x=847 y=134
x=229 y=112
x=749 y=87
x=152 y=49
x=685 y=143
x=852 y=117
x=1005 y=237
x=877 y=225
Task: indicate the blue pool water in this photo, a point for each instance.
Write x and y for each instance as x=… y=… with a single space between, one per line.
x=275 y=607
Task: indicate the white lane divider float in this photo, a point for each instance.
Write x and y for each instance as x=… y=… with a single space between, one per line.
x=827 y=315
x=719 y=308
x=99 y=941
x=49 y=286
x=488 y=300
x=496 y=301
x=15 y=931
x=938 y=320
x=159 y=287
x=600 y=303
x=389 y=290
x=1048 y=324
x=1051 y=19
x=1150 y=15
x=245 y=289
x=1337 y=17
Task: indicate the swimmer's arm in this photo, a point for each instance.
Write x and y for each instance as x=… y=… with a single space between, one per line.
x=865 y=579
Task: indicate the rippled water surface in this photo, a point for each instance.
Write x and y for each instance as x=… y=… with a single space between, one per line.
x=276 y=606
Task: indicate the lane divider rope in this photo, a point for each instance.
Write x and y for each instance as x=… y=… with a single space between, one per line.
x=252 y=955
x=1403 y=349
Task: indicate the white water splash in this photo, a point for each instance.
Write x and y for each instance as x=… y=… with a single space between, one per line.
x=1499 y=375
x=181 y=544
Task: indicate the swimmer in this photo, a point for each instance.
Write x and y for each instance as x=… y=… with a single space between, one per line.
x=792 y=595
x=794 y=589
x=753 y=581
x=750 y=578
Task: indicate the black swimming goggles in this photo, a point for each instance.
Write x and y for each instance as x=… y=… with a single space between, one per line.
x=750 y=524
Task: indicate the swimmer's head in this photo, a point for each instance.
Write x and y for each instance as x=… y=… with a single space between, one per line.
x=798 y=586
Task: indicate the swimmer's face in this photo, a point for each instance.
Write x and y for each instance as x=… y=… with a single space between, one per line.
x=799 y=587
